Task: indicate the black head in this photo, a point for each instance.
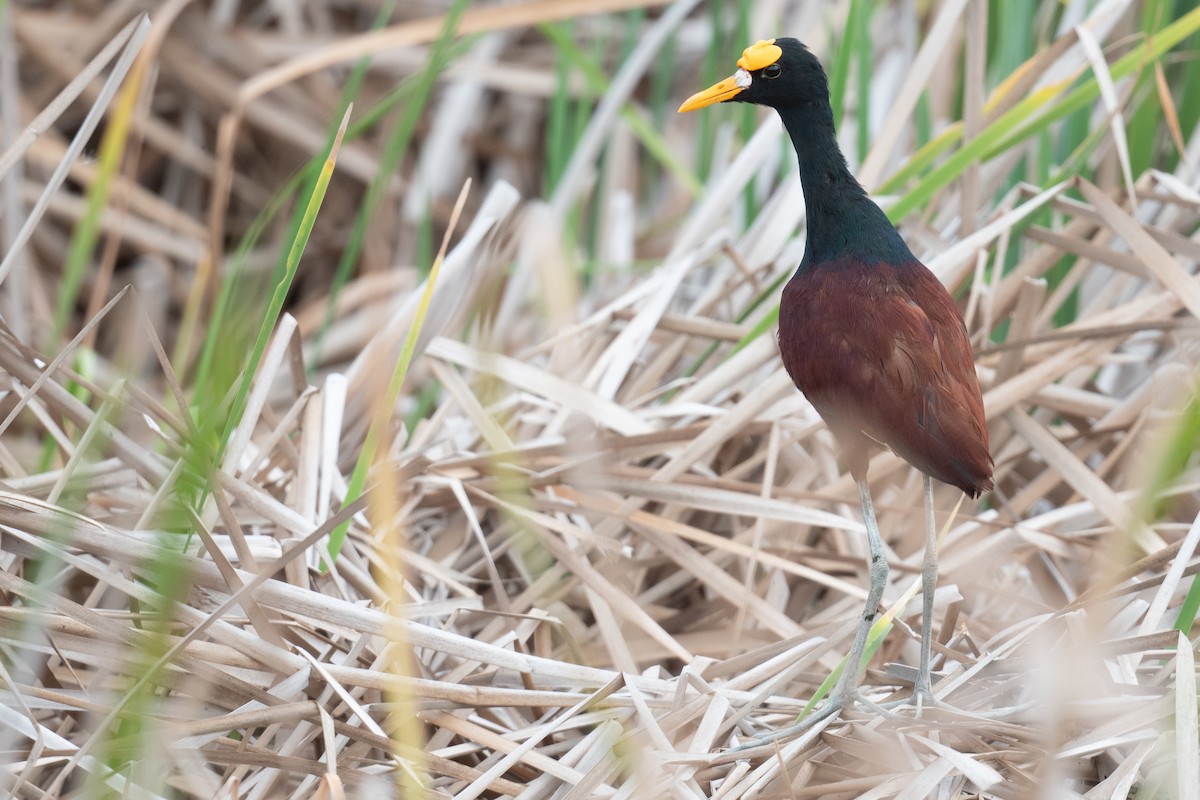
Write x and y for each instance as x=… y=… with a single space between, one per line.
x=780 y=73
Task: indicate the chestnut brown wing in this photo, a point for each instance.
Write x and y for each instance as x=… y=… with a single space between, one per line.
x=883 y=355
x=949 y=439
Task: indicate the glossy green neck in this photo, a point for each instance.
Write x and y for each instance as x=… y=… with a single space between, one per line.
x=842 y=220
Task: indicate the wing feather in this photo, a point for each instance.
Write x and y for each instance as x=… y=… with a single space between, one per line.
x=887 y=360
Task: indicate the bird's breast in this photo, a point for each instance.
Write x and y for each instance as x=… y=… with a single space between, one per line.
x=827 y=322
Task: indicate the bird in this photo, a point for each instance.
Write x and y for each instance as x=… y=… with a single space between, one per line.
x=867 y=333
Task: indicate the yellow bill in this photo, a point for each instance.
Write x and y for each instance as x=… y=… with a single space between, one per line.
x=761 y=54
x=726 y=89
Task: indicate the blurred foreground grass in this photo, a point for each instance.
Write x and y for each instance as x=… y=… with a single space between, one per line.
x=606 y=539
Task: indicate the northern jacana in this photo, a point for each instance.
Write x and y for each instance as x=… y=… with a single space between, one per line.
x=866 y=331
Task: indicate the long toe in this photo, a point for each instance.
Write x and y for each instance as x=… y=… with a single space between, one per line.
x=922 y=698
x=834 y=705
x=927 y=701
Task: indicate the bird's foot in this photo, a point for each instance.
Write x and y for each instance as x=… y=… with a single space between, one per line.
x=834 y=705
x=837 y=703
x=923 y=699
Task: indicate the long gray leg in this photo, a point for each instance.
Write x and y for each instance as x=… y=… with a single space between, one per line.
x=923 y=691
x=847 y=688
x=924 y=688
x=846 y=692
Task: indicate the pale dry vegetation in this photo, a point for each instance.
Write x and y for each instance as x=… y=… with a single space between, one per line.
x=604 y=540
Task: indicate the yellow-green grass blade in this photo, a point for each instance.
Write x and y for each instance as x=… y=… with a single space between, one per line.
x=397 y=145
x=275 y=306
x=393 y=155
x=1023 y=120
x=383 y=413
x=233 y=288
x=302 y=182
x=112 y=152
x=875 y=638
x=349 y=96
x=924 y=157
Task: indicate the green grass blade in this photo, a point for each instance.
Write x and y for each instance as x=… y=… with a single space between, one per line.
x=383 y=413
x=1009 y=29
x=557 y=146
x=925 y=156
x=233 y=288
x=112 y=153
x=393 y=155
x=1023 y=120
x=1144 y=124
x=1188 y=610
x=875 y=638
x=863 y=60
x=649 y=137
x=275 y=306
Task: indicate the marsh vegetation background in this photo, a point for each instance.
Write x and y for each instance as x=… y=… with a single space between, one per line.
x=389 y=401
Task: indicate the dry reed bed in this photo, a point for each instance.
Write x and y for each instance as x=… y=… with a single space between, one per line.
x=623 y=554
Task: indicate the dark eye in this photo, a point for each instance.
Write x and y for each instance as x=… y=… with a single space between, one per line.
x=772 y=71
